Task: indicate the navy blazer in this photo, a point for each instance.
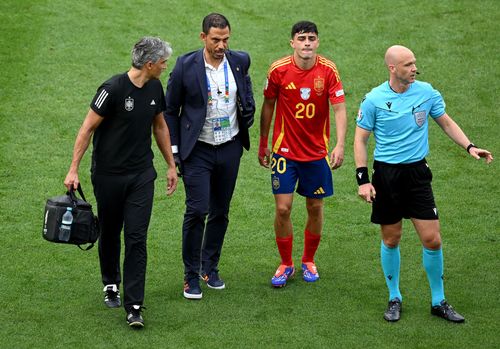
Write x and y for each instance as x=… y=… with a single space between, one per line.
x=187 y=99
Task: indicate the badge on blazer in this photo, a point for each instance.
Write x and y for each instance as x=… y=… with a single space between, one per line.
x=420 y=117
x=129 y=104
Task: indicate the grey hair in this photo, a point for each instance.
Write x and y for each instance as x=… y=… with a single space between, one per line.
x=149 y=49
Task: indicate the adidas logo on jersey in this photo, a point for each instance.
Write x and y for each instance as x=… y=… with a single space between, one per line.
x=291 y=86
x=152 y=102
x=319 y=191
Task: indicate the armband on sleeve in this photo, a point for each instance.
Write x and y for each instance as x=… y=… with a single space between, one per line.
x=362 y=175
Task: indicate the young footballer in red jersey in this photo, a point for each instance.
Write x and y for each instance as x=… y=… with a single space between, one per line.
x=301 y=86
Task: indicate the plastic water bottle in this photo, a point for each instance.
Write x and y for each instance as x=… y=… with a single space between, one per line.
x=67 y=220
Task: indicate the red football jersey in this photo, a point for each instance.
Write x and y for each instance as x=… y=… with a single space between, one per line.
x=302 y=122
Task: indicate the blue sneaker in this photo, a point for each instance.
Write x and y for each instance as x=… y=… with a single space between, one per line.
x=309 y=272
x=192 y=289
x=283 y=273
x=214 y=281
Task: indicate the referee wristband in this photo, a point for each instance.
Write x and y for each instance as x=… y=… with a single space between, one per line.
x=362 y=175
x=472 y=145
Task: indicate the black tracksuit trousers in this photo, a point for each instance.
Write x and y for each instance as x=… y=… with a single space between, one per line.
x=124 y=201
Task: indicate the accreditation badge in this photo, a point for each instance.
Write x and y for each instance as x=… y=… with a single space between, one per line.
x=221 y=129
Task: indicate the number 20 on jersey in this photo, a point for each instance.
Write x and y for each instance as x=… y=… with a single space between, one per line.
x=308 y=110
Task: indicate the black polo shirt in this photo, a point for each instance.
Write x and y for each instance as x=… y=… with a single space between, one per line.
x=122 y=142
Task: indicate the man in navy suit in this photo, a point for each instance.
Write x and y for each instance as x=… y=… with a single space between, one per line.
x=210 y=107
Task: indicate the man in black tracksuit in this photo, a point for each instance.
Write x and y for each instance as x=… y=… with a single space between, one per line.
x=122 y=113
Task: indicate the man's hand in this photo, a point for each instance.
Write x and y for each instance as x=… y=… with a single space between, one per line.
x=337 y=157
x=172 y=180
x=178 y=164
x=367 y=192
x=479 y=153
x=264 y=152
x=71 y=181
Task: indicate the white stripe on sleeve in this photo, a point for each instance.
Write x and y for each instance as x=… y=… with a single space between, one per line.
x=100 y=100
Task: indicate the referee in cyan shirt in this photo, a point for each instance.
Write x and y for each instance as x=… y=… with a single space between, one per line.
x=397 y=112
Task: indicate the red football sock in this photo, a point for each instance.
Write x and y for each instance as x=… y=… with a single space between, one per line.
x=285 y=249
x=311 y=243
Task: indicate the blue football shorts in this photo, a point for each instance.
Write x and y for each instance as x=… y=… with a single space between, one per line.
x=313 y=178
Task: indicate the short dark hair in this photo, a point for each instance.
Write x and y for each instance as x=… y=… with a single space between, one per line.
x=214 y=20
x=304 y=27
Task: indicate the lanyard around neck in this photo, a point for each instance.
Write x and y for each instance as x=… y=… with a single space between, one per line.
x=226 y=86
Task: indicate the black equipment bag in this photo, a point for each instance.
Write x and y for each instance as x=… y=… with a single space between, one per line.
x=85 y=227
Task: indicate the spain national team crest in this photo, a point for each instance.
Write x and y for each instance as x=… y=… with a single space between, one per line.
x=319 y=85
x=305 y=93
x=129 y=104
x=419 y=117
x=276 y=183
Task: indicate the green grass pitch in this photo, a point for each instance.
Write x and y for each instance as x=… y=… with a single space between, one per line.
x=55 y=53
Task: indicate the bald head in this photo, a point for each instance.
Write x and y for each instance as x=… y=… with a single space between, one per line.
x=396 y=54
x=401 y=64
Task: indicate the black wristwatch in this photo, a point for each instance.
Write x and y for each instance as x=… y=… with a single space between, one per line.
x=472 y=145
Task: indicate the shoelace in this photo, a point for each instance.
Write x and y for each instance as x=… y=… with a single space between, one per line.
x=112 y=295
x=281 y=270
x=311 y=270
x=393 y=305
x=189 y=284
x=448 y=308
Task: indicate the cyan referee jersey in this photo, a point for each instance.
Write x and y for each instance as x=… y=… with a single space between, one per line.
x=399 y=121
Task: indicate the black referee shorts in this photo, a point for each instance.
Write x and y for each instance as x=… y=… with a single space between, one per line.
x=402 y=191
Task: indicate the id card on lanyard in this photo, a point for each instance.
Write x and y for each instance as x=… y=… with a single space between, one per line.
x=221 y=125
